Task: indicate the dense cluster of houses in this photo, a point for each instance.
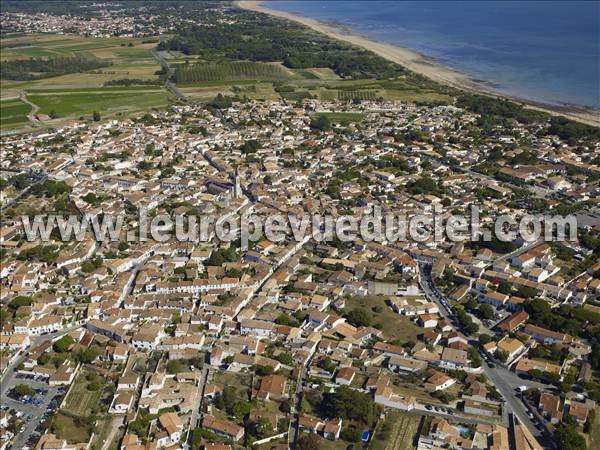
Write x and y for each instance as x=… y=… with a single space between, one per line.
x=313 y=313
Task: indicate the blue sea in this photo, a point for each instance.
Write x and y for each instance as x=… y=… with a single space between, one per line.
x=547 y=51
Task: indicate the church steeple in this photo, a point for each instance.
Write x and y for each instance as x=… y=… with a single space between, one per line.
x=238 y=184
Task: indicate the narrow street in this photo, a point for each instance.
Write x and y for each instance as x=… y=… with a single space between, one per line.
x=116 y=422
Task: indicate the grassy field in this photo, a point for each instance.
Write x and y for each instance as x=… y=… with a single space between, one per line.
x=393 y=325
x=217 y=83
x=241 y=382
x=322 y=73
x=397 y=432
x=78 y=104
x=199 y=80
x=81 y=400
x=206 y=91
x=360 y=95
x=343 y=118
x=75 y=95
x=66 y=428
x=44 y=45
x=406 y=389
x=326 y=444
x=98 y=90
x=13 y=113
x=239 y=70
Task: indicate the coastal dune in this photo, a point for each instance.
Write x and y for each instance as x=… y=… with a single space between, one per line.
x=419 y=63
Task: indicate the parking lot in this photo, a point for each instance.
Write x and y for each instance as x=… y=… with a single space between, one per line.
x=31 y=410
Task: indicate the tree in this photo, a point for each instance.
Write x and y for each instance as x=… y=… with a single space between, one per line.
x=568 y=438
x=221 y=102
x=241 y=408
x=264 y=370
x=320 y=122
x=43 y=359
x=285 y=406
x=285 y=358
x=486 y=311
x=314 y=397
x=485 y=339
x=23 y=389
x=350 y=434
x=20 y=300
x=285 y=319
x=349 y=404
x=359 y=317
x=196 y=438
x=96 y=116
x=262 y=428
x=4 y=316
x=94 y=385
x=229 y=398
x=63 y=344
x=174 y=366
x=219 y=402
x=88 y=355
x=474 y=357
x=505 y=287
x=88 y=267
x=308 y=442
x=502 y=355
x=250 y=146
x=527 y=292
x=327 y=364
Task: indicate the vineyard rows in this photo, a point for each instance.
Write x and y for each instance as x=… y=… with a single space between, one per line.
x=196 y=73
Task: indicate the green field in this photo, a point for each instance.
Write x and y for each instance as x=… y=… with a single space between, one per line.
x=74 y=105
x=326 y=444
x=343 y=118
x=296 y=95
x=76 y=95
x=133 y=53
x=65 y=427
x=360 y=95
x=41 y=45
x=218 y=83
x=98 y=90
x=238 y=70
x=13 y=113
x=81 y=400
x=394 y=326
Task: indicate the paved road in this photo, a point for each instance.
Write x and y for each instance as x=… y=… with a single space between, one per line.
x=516 y=406
x=197 y=413
x=295 y=410
x=169 y=85
x=9 y=374
x=505 y=381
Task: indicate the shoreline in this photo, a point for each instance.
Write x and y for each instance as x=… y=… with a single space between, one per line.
x=421 y=64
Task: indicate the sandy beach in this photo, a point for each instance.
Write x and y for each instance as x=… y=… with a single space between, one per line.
x=419 y=63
